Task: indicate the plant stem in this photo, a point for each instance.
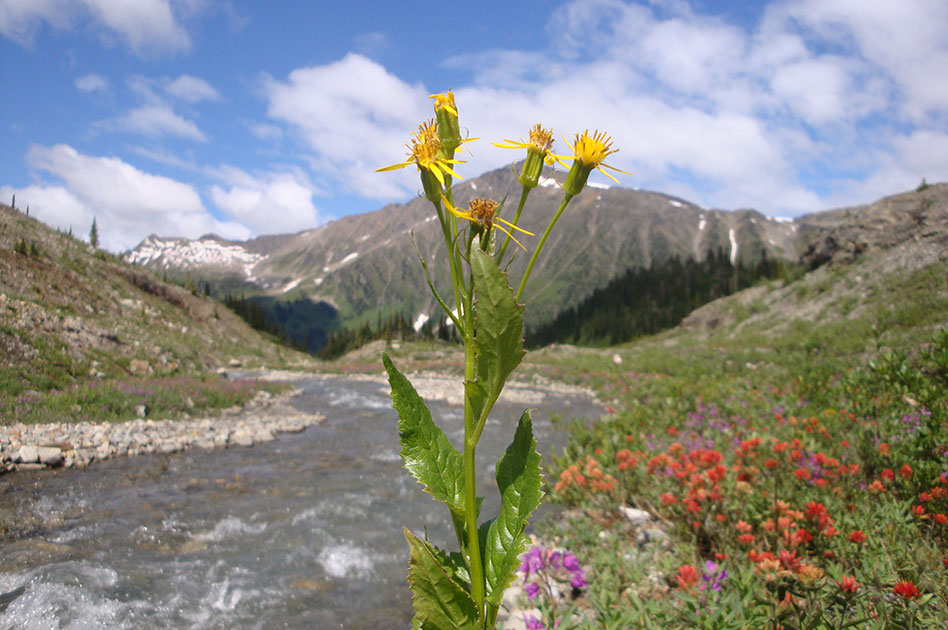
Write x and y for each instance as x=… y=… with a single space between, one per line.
x=536 y=252
x=475 y=564
x=523 y=200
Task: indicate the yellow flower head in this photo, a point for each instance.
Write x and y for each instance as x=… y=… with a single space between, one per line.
x=541 y=141
x=445 y=100
x=589 y=152
x=538 y=151
x=425 y=152
x=482 y=212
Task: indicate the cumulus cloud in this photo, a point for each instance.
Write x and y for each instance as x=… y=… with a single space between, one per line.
x=354 y=116
x=128 y=204
x=739 y=116
x=277 y=201
x=147 y=27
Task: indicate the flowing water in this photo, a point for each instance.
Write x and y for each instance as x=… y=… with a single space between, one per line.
x=302 y=532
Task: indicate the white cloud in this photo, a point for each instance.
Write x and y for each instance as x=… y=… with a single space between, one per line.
x=147 y=27
x=155 y=121
x=192 y=90
x=354 y=116
x=278 y=201
x=741 y=117
x=128 y=203
x=92 y=83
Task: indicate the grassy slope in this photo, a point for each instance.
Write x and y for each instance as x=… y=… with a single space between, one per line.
x=70 y=317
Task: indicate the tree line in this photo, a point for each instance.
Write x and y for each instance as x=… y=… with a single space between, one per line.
x=647 y=300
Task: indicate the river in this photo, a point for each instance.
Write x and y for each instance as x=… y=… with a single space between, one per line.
x=301 y=532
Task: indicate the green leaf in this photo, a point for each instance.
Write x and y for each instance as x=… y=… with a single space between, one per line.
x=438 y=600
x=427 y=452
x=520 y=482
x=498 y=321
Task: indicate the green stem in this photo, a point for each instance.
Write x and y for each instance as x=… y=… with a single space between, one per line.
x=475 y=564
x=536 y=252
x=449 y=245
x=523 y=199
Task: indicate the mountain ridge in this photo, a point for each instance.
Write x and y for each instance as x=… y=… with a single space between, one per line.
x=366 y=265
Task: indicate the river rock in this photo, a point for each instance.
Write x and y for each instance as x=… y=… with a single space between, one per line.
x=241 y=437
x=634 y=515
x=50 y=455
x=27 y=455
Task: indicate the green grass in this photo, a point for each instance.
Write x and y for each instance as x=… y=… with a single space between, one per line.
x=113 y=400
x=870 y=391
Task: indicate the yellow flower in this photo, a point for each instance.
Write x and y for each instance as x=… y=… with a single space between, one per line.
x=538 y=152
x=589 y=152
x=425 y=153
x=482 y=212
x=541 y=141
x=445 y=100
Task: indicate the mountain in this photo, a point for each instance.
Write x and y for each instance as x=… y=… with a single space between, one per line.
x=69 y=313
x=366 y=266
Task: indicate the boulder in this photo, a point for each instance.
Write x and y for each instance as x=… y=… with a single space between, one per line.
x=50 y=455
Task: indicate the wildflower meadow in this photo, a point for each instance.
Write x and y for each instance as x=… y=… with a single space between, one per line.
x=810 y=495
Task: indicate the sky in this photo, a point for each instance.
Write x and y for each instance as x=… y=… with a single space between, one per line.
x=240 y=118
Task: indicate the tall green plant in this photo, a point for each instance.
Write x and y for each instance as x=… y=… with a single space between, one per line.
x=465 y=589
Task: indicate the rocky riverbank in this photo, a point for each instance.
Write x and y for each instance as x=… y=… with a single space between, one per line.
x=38 y=446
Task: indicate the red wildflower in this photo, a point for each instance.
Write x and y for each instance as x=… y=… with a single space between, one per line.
x=747 y=539
x=789 y=560
x=905 y=471
x=905 y=590
x=802 y=474
x=848 y=584
x=857 y=536
x=883 y=449
x=941 y=519
x=668 y=498
x=919 y=511
x=887 y=474
x=687 y=576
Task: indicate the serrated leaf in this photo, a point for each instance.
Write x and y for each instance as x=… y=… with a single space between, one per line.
x=520 y=482
x=438 y=601
x=427 y=452
x=498 y=321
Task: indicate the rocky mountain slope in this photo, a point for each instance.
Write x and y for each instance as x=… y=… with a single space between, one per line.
x=68 y=312
x=865 y=260
x=367 y=264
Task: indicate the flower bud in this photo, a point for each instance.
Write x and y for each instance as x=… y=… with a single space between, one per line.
x=446 y=113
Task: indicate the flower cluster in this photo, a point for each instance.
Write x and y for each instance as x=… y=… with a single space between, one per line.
x=544 y=572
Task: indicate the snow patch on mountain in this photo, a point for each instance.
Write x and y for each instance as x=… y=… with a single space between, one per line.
x=420 y=321
x=183 y=253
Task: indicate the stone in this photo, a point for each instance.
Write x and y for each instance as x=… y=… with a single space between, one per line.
x=241 y=437
x=141 y=411
x=635 y=515
x=50 y=455
x=26 y=455
x=139 y=367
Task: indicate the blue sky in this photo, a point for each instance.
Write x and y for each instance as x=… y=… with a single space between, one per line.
x=183 y=117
